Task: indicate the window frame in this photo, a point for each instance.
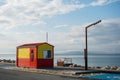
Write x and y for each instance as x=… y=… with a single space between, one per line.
x=47 y=54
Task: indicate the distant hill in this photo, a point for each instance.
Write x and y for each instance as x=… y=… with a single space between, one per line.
x=70 y=53
x=82 y=53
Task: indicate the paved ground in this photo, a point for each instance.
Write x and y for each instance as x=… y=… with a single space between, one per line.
x=11 y=72
x=6 y=74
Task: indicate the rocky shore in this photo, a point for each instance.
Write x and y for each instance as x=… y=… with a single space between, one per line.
x=71 y=70
x=7 y=61
x=111 y=68
x=67 y=71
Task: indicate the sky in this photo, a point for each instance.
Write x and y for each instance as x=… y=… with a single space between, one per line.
x=27 y=21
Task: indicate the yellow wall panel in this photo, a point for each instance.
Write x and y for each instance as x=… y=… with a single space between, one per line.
x=23 y=52
x=40 y=53
x=43 y=47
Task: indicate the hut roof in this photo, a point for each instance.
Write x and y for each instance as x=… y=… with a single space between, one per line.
x=34 y=44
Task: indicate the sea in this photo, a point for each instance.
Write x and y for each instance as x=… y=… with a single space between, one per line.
x=100 y=60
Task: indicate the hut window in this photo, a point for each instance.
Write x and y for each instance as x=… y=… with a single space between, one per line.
x=47 y=54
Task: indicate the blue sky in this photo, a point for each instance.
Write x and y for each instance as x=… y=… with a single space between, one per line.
x=27 y=21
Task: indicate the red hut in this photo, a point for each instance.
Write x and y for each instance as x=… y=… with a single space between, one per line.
x=35 y=55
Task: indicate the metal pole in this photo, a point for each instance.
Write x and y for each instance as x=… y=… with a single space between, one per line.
x=46 y=36
x=86 y=51
x=86 y=44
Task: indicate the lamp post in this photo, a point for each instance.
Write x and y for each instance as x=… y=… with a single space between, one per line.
x=86 y=44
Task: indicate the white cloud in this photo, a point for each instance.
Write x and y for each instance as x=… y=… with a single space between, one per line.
x=20 y=12
x=99 y=2
x=7 y=43
x=101 y=37
x=10 y=40
x=61 y=26
x=102 y=2
x=14 y=13
x=77 y=31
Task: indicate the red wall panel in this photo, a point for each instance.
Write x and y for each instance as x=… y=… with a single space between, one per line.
x=24 y=62
x=45 y=63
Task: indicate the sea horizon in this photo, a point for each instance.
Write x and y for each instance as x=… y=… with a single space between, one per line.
x=78 y=58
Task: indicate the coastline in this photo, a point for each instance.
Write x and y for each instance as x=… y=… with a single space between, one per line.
x=94 y=60
x=58 y=70
x=5 y=62
x=71 y=72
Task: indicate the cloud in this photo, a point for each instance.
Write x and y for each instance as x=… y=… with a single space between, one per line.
x=101 y=37
x=20 y=12
x=106 y=34
x=61 y=26
x=77 y=31
x=102 y=2
x=10 y=40
x=14 y=13
x=7 y=43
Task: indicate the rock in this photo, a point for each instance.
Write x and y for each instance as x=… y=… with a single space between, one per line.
x=114 y=68
x=75 y=65
x=106 y=68
x=7 y=61
x=0 y=60
x=96 y=67
x=70 y=66
x=13 y=61
x=118 y=69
